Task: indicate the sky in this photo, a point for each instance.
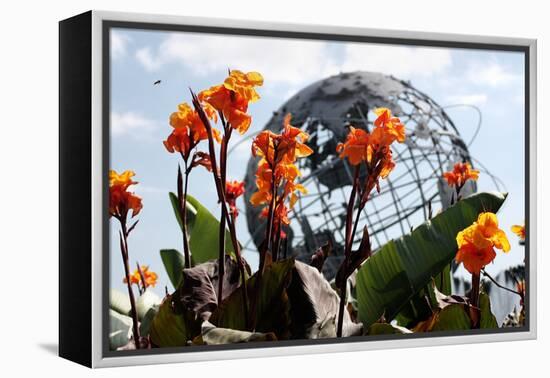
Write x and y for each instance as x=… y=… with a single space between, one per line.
x=455 y=78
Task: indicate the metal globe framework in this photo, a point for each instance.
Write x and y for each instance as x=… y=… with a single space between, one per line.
x=406 y=198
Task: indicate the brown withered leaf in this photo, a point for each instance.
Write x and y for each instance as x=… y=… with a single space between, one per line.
x=199 y=289
x=320 y=255
x=446 y=300
x=314 y=305
x=272 y=308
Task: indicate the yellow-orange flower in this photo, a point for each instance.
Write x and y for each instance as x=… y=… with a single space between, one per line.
x=231 y=98
x=519 y=230
x=476 y=243
x=233 y=190
x=149 y=276
x=244 y=84
x=188 y=131
x=124 y=179
x=461 y=173
x=121 y=201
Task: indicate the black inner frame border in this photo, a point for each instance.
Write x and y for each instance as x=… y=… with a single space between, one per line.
x=106 y=27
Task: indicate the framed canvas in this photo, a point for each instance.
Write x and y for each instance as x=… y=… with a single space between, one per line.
x=235 y=189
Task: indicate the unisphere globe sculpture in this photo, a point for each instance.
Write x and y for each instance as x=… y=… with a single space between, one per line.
x=324 y=109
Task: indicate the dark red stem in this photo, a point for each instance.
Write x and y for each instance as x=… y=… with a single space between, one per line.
x=125 y=260
x=221 y=197
x=182 y=199
x=142 y=278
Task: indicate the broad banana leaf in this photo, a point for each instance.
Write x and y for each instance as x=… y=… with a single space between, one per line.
x=173 y=326
x=203 y=229
x=390 y=278
x=174 y=263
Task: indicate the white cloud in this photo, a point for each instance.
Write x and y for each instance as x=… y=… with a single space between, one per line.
x=143 y=189
x=290 y=61
x=290 y=92
x=145 y=57
x=281 y=61
x=131 y=123
x=396 y=60
x=468 y=99
x=119 y=44
x=491 y=74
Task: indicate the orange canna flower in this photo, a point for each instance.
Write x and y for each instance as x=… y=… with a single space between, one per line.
x=461 y=173
x=233 y=190
x=277 y=171
x=519 y=231
x=188 y=131
x=292 y=141
x=263 y=145
x=361 y=146
x=231 y=98
x=387 y=129
x=291 y=188
x=387 y=163
x=120 y=199
x=149 y=276
x=357 y=147
x=476 y=243
x=124 y=179
x=244 y=84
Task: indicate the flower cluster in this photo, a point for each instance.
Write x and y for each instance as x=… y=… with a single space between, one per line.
x=231 y=99
x=461 y=173
x=188 y=131
x=476 y=243
x=519 y=230
x=233 y=190
x=277 y=172
x=374 y=148
x=149 y=276
x=120 y=199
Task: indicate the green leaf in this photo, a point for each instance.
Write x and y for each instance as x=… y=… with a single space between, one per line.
x=191 y=211
x=390 y=278
x=420 y=305
x=173 y=326
x=273 y=307
x=456 y=314
x=443 y=280
x=452 y=318
x=147 y=320
x=174 y=262
x=203 y=229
